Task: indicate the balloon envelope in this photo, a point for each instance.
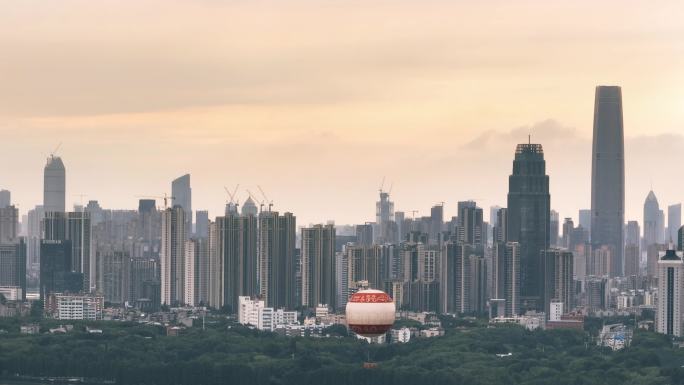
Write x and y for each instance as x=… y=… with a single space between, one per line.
x=370 y=313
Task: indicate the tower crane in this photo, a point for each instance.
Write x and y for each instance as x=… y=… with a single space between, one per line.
x=270 y=202
x=232 y=195
x=254 y=198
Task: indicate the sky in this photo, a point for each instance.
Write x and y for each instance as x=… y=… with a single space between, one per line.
x=317 y=100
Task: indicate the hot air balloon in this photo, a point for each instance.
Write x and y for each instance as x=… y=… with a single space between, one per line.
x=370 y=313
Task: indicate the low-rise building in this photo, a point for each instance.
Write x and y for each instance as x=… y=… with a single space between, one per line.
x=74 y=306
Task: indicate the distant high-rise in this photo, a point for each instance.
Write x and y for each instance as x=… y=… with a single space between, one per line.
x=384 y=218
x=182 y=196
x=651 y=220
x=76 y=228
x=277 y=263
x=529 y=210
x=249 y=207
x=608 y=173
x=436 y=223
x=13 y=266
x=674 y=221
x=364 y=234
x=632 y=248
x=318 y=266
x=559 y=278
x=470 y=228
x=554 y=224
x=585 y=220
x=5 y=198
x=172 y=256
x=54 y=185
x=196 y=272
x=506 y=276
x=670 y=280
x=201 y=223
x=9 y=221
x=56 y=272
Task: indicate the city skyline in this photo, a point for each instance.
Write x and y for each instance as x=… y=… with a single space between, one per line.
x=419 y=100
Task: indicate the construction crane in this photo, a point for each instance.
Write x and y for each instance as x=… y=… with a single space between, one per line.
x=413 y=214
x=232 y=195
x=382 y=184
x=270 y=202
x=165 y=197
x=254 y=198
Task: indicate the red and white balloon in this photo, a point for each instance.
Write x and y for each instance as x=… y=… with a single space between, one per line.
x=370 y=313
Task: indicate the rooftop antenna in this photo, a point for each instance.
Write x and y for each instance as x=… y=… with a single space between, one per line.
x=54 y=152
x=390 y=189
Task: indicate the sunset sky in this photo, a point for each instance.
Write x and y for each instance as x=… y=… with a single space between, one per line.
x=317 y=100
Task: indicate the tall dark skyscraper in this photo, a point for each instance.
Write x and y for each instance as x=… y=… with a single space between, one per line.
x=529 y=211
x=608 y=173
x=182 y=196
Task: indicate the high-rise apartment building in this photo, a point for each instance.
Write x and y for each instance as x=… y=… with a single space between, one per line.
x=608 y=173
x=196 y=272
x=172 y=256
x=674 y=222
x=277 y=263
x=670 y=285
x=559 y=284
x=318 y=266
x=528 y=220
x=13 y=265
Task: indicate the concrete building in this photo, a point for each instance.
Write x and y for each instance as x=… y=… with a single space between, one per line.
x=9 y=223
x=13 y=266
x=608 y=173
x=559 y=284
x=670 y=281
x=74 y=307
x=5 y=198
x=196 y=272
x=674 y=222
x=255 y=313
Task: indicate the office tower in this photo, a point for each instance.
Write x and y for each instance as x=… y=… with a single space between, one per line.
x=674 y=221
x=54 y=185
x=632 y=233
x=318 y=266
x=506 y=276
x=196 y=272
x=201 y=223
x=74 y=227
x=13 y=266
x=436 y=223
x=680 y=239
x=653 y=253
x=277 y=264
x=182 y=196
x=172 y=255
x=384 y=214
x=670 y=281
x=9 y=220
x=559 y=278
x=553 y=228
x=249 y=208
x=651 y=219
x=5 y=198
x=584 y=218
x=56 y=273
x=470 y=227
x=661 y=228
x=493 y=215
x=364 y=234
x=478 y=284
x=608 y=173
x=97 y=214
x=528 y=220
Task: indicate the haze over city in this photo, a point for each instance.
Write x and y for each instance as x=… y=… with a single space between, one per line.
x=317 y=101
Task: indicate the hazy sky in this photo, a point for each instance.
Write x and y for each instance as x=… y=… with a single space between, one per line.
x=316 y=100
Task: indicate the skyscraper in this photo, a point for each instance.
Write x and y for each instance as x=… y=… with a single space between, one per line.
x=554 y=224
x=528 y=220
x=54 y=185
x=384 y=218
x=584 y=217
x=172 y=256
x=559 y=278
x=74 y=227
x=651 y=219
x=277 y=264
x=201 y=223
x=608 y=173
x=9 y=220
x=670 y=281
x=318 y=266
x=182 y=196
x=13 y=266
x=674 y=222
